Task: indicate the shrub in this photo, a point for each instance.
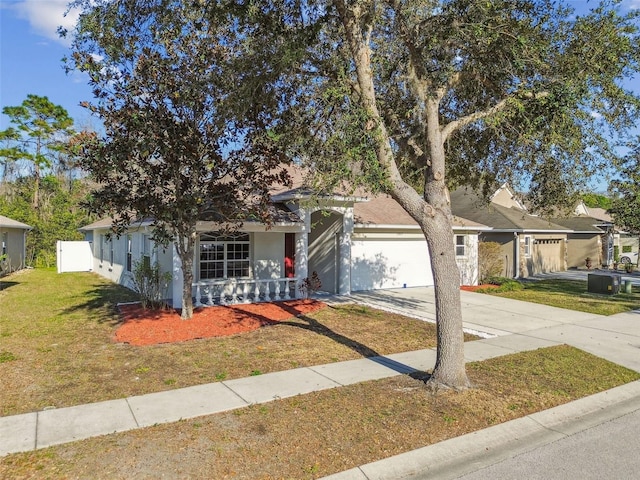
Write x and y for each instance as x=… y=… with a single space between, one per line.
x=151 y=284
x=489 y=260
x=310 y=285
x=505 y=284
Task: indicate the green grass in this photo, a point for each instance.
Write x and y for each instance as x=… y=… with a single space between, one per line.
x=572 y=295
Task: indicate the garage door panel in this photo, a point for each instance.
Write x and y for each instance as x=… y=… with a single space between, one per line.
x=379 y=264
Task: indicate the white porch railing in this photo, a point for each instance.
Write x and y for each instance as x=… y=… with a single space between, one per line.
x=243 y=290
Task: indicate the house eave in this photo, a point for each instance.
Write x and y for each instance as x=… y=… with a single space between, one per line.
x=527 y=230
x=417 y=227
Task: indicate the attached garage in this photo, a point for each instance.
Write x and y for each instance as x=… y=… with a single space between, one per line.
x=389 y=260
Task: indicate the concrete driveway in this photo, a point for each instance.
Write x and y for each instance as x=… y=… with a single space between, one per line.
x=575 y=274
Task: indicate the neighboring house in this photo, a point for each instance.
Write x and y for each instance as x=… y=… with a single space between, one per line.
x=589 y=238
x=352 y=243
x=13 y=244
x=530 y=244
x=627 y=243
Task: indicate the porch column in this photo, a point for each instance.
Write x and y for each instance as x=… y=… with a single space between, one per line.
x=344 y=269
x=302 y=258
x=177 y=279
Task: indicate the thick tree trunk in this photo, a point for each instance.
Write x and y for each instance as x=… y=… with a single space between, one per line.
x=186 y=250
x=450 y=364
x=432 y=212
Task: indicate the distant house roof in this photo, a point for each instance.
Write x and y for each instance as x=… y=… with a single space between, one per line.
x=599 y=213
x=10 y=223
x=466 y=203
x=582 y=224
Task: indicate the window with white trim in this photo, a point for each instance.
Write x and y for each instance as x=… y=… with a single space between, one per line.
x=527 y=245
x=460 y=246
x=5 y=243
x=224 y=256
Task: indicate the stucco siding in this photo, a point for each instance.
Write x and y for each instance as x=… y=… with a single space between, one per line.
x=581 y=246
x=468 y=263
x=14 y=247
x=268 y=255
x=324 y=250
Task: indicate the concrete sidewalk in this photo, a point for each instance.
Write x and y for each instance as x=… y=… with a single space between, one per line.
x=508 y=325
x=519 y=326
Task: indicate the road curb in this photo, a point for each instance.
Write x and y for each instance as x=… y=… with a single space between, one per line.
x=471 y=452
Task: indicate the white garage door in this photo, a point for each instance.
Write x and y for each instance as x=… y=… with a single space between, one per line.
x=389 y=263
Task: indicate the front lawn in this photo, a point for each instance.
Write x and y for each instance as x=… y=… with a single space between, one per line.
x=573 y=295
x=57 y=344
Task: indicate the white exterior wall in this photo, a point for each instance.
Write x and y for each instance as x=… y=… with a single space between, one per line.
x=268 y=255
x=116 y=271
x=468 y=264
x=105 y=267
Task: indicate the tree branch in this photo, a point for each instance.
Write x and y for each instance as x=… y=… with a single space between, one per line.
x=455 y=125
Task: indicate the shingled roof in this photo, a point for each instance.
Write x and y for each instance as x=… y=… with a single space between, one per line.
x=466 y=203
x=10 y=223
x=383 y=210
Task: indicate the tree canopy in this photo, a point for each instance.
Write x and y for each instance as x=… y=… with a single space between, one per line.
x=414 y=97
x=174 y=149
x=625 y=206
x=39 y=132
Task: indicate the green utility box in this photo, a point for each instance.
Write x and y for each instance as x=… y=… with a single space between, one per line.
x=605 y=283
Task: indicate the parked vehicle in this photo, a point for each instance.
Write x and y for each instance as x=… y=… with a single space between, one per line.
x=629 y=257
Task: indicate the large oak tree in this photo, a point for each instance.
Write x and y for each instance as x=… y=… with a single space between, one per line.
x=415 y=96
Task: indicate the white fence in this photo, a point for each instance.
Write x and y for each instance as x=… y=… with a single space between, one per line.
x=238 y=290
x=74 y=256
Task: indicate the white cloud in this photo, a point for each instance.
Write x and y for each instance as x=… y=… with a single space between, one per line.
x=631 y=4
x=45 y=16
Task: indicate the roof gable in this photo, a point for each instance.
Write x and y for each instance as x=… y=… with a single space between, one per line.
x=466 y=203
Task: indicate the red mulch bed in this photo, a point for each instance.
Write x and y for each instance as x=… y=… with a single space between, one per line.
x=151 y=327
x=473 y=288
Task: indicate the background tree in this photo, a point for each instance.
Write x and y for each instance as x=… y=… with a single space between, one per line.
x=452 y=92
x=172 y=151
x=59 y=216
x=41 y=129
x=596 y=200
x=625 y=205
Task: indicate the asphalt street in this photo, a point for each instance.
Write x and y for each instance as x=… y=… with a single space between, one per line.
x=607 y=451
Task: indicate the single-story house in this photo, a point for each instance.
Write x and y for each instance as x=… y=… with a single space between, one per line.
x=352 y=243
x=615 y=238
x=589 y=238
x=530 y=244
x=13 y=243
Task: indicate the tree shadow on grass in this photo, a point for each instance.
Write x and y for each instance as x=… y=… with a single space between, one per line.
x=103 y=298
x=311 y=324
x=5 y=285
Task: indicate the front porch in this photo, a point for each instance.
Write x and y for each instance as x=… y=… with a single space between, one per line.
x=235 y=291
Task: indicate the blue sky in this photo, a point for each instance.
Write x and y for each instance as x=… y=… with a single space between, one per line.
x=30 y=57
x=31 y=53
